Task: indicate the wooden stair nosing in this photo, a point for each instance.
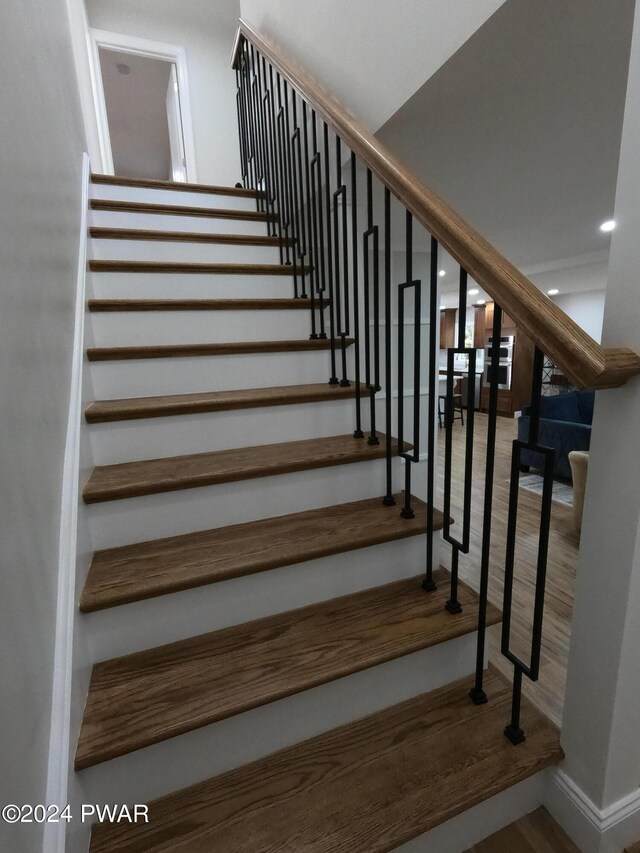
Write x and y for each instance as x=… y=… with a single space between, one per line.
x=367 y=787
x=178 y=210
x=135 y=408
x=147 y=569
x=104 y=233
x=155 y=476
x=186 y=267
x=196 y=350
x=150 y=696
x=153 y=184
x=267 y=304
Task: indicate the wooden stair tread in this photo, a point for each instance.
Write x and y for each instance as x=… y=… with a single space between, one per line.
x=634 y=849
x=149 y=183
x=191 y=268
x=152 y=476
x=104 y=233
x=193 y=350
x=153 y=695
x=146 y=569
x=215 y=401
x=176 y=210
x=269 y=304
x=366 y=787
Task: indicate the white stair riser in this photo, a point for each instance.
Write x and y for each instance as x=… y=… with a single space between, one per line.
x=177 y=616
x=190 y=327
x=246 y=737
x=169 y=285
x=123 y=522
x=152 y=438
x=174 y=251
x=173 y=222
x=152 y=376
x=146 y=195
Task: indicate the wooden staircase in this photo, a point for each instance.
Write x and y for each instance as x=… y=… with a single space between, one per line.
x=296 y=508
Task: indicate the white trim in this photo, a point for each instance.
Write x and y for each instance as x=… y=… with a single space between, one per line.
x=153 y=50
x=594 y=830
x=59 y=736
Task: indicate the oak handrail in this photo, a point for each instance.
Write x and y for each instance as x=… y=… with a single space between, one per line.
x=582 y=359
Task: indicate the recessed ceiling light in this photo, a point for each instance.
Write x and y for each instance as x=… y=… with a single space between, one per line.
x=474 y=292
x=123 y=68
x=553 y=292
x=481 y=302
x=609 y=225
x=442 y=273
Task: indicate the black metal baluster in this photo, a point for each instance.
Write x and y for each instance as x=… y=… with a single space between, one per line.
x=459 y=546
x=288 y=152
x=428 y=584
x=477 y=693
x=298 y=196
x=308 y=177
x=388 y=499
x=414 y=456
x=250 y=129
x=284 y=208
x=259 y=166
x=243 y=160
x=513 y=730
x=264 y=190
x=276 y=169
x=333 y=380
x=372 y=364
x=357 y=433
x=316 y=180
x=341 y=280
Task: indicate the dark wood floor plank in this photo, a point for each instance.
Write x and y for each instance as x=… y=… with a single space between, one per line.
x=135 y=572
x=133 y=408
x=153 y=476
x=276 y=304
x=178 y=186
x=195 y=350
x=176 y=210
x=153 y=695
x=191 y=268
x=366 y=787
x=151 y=235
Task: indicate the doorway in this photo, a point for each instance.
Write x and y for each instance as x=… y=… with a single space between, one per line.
x=141 y=93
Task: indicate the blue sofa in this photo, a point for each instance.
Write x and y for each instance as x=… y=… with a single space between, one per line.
x=565 y=425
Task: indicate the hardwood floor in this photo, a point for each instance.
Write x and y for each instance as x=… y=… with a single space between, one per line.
x=536 y=832
x=548 y=692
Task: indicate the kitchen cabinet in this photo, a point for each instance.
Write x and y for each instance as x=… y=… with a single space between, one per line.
x=447 y=327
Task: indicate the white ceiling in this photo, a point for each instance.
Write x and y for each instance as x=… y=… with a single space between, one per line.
x=520 y=130
x=137 y=114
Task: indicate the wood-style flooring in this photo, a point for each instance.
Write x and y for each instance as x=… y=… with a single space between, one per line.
x=548 y=692
x=536 y=832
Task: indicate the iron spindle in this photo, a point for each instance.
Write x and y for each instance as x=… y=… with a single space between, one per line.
x=298 y=201
x=477 y=693
x=308 y=178
x=428 y=584
x=333 y=380
x=276 y=166
x=388 y=499
x=372 y=373
x=291 y=194
x=316 y=180
x=284 y=207
x=357 y=433
x=513 y=731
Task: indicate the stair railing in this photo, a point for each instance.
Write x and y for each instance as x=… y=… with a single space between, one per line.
x=296 y=144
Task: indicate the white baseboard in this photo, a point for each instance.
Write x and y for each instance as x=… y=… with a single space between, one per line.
x=58 y=759
x=592 y=829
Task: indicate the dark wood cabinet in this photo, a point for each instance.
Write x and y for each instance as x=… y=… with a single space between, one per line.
x=448 y=327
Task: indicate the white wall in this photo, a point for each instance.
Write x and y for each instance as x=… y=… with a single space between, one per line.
x=587 y=309
x=41 y=149
x=206 y=31
x=602 y=705
x=370 y=54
